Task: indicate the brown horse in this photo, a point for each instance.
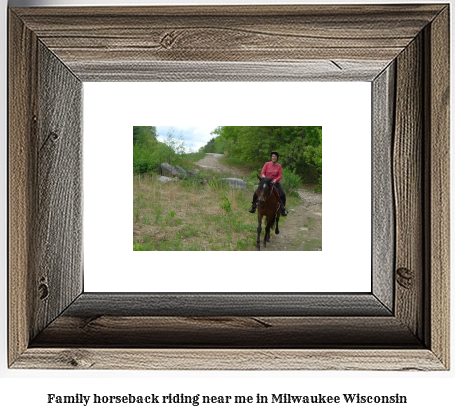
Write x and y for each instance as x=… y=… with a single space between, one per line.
x=268 y=206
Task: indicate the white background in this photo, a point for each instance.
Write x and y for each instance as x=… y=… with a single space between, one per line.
x=26 y=390
x=342 y=108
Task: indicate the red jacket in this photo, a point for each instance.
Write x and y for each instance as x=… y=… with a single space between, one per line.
x=273 y=171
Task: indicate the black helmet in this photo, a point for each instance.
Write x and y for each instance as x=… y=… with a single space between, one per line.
x=276 y=153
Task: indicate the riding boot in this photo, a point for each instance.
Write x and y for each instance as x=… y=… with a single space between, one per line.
x=283 y=204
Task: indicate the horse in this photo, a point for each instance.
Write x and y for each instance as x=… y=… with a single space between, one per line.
x=268 y=206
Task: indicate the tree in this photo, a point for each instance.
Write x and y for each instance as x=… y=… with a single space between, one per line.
x=171 y=148
x=300 y=148
x=144 y=148
x=210 y=146
x=144 y=135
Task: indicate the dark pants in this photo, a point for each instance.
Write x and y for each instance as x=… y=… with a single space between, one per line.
x=280 y=189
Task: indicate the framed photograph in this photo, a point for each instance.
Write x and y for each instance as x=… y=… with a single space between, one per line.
x=177 y=234
x=401 y=324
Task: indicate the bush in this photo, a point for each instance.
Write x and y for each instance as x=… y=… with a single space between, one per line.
x=143 y=160
x=291 y=182
x=253 y=177
x=148 y=155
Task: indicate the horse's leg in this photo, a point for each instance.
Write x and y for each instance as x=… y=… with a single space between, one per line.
x=267 y=232
x=258 y=239
x=272 y=222
x=277 y=231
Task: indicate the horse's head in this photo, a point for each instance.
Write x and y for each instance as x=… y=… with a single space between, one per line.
x=264 y=189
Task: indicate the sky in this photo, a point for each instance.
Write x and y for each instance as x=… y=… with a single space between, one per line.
x=194 y=137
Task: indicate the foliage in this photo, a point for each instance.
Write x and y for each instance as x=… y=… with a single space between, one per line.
x=172 y=150
x=290 y=182
x=144 y=135
x=143 y=160
x=300 y=148
x=210 y=146
x=149 y=153
x=216 y=144
x=225 y=204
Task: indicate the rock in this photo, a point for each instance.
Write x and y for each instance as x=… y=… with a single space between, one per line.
x=167 y=170
x=172 y=171
x=193 y=172
x=236 y=183
x=164 y=179
x=180 y=171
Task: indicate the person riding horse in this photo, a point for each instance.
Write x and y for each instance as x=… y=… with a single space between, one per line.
x=272 y=170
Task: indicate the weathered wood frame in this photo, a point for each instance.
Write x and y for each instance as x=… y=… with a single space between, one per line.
x=403 y=50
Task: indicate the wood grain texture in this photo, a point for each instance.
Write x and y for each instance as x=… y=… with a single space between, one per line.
x=156 y=71
x=256 y=332
x=45 y=187
x=53 y=49
x=383 y=214
x=22 y=96
x=235 y=359
x=232 y=304
x=408 y=188
x=58 y=208
x=227 y=34
x=438 y=256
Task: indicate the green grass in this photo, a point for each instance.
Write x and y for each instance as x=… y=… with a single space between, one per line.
x=313 y=245
x=309 y=223
x=189 y=216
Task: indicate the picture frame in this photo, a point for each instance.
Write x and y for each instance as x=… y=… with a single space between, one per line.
x=402 y=324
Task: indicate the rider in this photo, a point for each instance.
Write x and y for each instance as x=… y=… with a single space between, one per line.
x=272 y=170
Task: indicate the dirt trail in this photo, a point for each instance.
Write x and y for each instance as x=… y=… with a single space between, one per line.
x=210 y=161
x=301 y=230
